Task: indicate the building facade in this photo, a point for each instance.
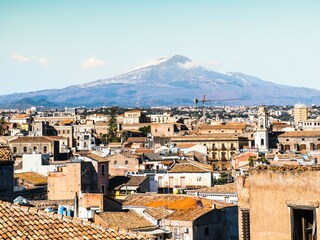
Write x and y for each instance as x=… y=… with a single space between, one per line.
x=280 y=203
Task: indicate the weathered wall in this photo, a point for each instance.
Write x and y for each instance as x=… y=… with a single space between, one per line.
x=64 y=184
x=270 y=194
x=120 y=164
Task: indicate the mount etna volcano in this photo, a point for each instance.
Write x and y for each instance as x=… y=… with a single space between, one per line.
x=167 y=82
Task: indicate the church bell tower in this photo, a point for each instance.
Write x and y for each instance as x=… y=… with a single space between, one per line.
x=261 y=136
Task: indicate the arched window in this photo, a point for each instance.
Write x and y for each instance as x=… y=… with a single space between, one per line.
x=262 y=142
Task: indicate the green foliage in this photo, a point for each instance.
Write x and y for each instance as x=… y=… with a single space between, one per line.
x=112 y=127
x=251 y=160
x=260 y=159
x=145 y=130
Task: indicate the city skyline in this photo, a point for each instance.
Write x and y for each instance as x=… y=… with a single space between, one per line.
x=57 y=44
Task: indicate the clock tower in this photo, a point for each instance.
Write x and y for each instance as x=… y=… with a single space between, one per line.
x=261 y=136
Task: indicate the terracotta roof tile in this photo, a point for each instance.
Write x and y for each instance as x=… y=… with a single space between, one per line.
x=5 y=154
x=158 y=212
x=18 y=221
x=186 y=168
x=137 y=139
x=300 y=134
x=30 y=140
x=188 y=214
x=136 y=180
x=225 y=188
x=32 y=178
x=124 y=220
x=169 y=201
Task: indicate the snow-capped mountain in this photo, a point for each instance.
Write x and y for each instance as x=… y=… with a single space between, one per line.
x=173 y=81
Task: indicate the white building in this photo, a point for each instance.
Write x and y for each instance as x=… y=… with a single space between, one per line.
x=261 y=135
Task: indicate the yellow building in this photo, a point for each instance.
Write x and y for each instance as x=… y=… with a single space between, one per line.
x=220 y=147
x=300 y=113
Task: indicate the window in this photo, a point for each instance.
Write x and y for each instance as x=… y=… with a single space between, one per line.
x=262 y=142
x=45 y=149
x=176 y=233
x=103 y=169
x=303 y=223
x=24 y=149
x=115 y=162
x=35 y=148
x=126 y=162
x=206 y=231
x=14 y=149
x=245 y=220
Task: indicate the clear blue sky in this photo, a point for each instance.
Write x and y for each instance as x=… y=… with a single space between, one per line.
x=54 y=44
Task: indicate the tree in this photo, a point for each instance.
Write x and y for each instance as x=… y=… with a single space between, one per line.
x=112 y=126
x=145 y=130
x=251 y=160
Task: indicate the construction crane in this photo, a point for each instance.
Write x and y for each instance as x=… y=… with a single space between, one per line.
x=204 y=100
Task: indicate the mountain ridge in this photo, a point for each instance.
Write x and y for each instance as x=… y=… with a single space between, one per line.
x=173 y=81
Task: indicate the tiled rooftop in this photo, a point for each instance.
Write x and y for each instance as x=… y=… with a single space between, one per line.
x=5 y=154
x=187 y=168
x=124 y=220
x=188 y=214
x=136 y=180
x=158 y=212
x=31 y=140
x=137 y=139
x=300 y=134
x=32 y=178
x=169 y=201
x=18 y=222
x=225 y=188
